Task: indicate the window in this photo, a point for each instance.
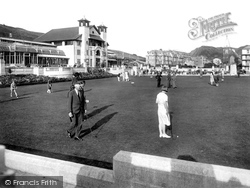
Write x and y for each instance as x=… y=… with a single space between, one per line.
x=68 y=42
x=91 y=52
x=78 y=61
x=78 y=52
x=87 y=52
x=78 y=43
x=58 y=43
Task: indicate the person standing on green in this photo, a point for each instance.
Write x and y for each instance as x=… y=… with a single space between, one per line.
x=174 y=80
x=163 y=112
x=13 y=88
x=158 y=78
x=168 y=80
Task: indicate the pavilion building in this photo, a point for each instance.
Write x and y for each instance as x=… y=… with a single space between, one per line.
x=86 y=45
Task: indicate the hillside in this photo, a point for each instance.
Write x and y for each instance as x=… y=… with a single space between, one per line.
x=213 y=52
x=18 y=33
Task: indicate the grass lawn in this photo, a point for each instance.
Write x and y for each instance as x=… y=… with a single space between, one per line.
x=212 y=122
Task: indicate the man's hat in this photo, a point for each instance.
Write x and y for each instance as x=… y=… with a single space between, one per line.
x=164 y=88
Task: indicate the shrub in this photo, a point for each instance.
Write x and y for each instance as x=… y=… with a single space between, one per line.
x=30 y=79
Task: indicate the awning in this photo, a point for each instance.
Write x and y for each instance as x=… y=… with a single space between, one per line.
x=95 y=37
x=9 y=47
x=5 y=47
x=50 y=51
x=52 y=56
x=28 y=49
x=112 y=60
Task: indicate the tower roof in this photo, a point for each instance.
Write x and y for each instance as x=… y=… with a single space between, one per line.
x=102 y=26
x=83 y=20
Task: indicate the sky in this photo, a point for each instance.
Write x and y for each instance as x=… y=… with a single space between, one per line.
x=134 y=26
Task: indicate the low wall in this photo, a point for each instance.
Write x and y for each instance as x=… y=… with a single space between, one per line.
x=19 y=70
x=133 y=170
x=139 y=170
x=73 y=173
x=59 y=72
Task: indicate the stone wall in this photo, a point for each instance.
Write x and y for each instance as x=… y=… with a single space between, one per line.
x=133 y=170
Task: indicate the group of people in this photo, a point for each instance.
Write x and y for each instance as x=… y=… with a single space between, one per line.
x=13 y=88
x=124 y=75
x=77 y=107
x=162 y=102
x=215 y=78
x=171 y=79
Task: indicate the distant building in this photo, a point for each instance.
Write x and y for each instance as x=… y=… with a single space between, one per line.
x=23 y=53
x=119 y=58
x=245 y=58
x=164 y=58
x=86 y=45
x=200 y=61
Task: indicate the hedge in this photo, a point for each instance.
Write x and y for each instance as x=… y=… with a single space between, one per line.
x=30 y=79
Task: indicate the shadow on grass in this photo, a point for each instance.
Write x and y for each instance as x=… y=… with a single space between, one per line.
x=57 y=91
x=14 y=99
x=99 y=110
x=187 y=158
x=169 y=129
x=87 y=90
x=28 y=94
x=98 y=125
x=81 y=160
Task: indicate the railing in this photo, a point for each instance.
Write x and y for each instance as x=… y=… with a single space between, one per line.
x=19 y=70
x=52 y=68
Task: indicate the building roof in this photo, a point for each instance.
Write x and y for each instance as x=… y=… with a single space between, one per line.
x=70 y=33
x=17 y=47
x=247 y=47
x=83 y=20
x=93 y=26
x=13 y=40
x=95 y=37
x=4 y=47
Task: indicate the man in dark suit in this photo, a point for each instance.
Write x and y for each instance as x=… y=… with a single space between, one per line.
x=76 y=109
x=158 y=77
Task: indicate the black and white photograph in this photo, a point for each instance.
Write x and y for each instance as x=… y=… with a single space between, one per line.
x=115 y=94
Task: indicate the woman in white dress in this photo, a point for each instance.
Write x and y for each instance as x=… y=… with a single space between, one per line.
x=163 y=112
x=212 y=78
x=126 y=76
